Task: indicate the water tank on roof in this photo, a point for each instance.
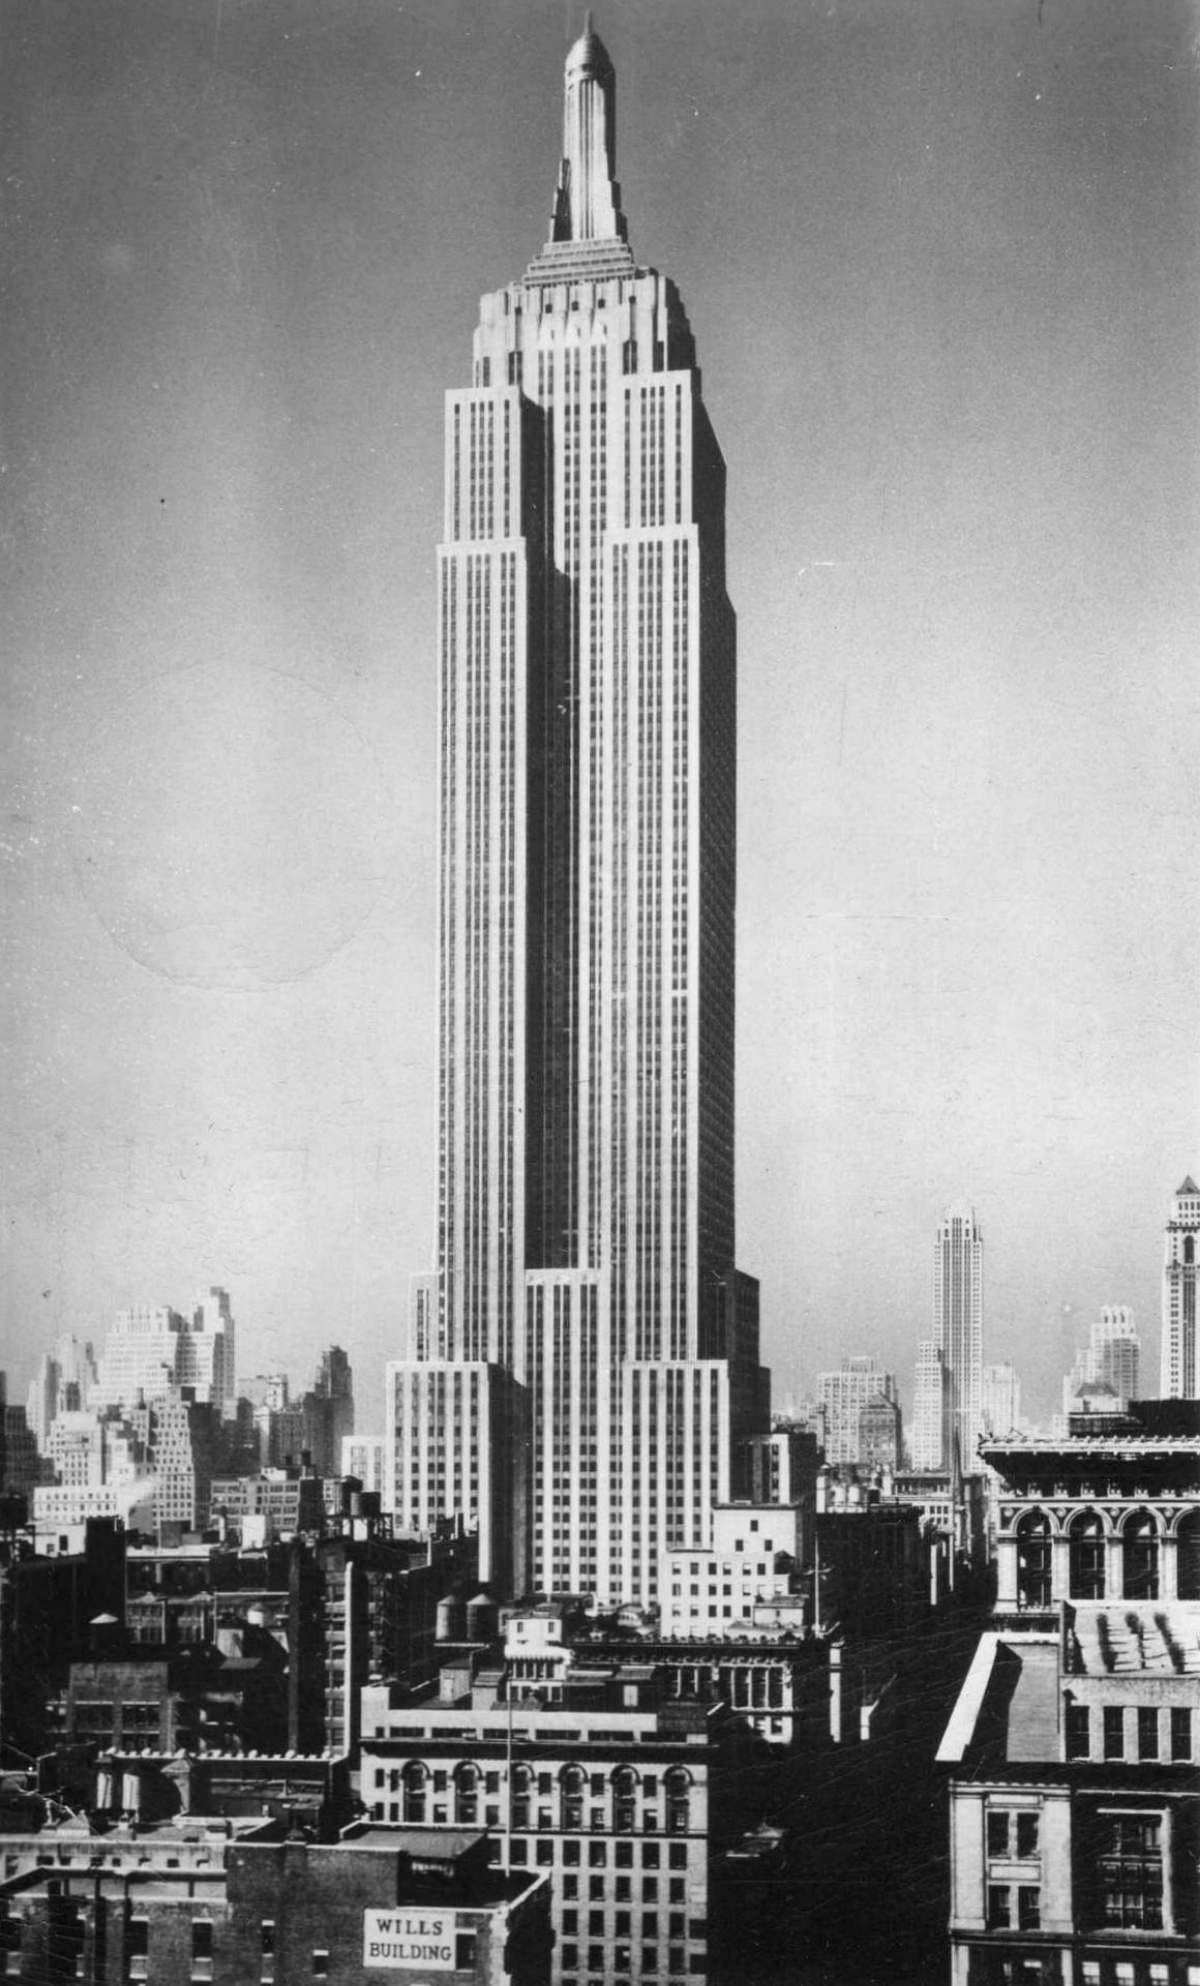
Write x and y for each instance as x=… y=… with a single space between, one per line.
x=481 y=1618
x=451 y=1618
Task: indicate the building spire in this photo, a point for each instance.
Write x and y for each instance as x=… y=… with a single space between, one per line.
x=587 y=205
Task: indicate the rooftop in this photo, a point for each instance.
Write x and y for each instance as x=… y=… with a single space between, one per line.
x=1142 y=1640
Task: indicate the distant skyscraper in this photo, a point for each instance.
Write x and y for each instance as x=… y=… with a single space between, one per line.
x=880 y=1434
x=958 y=1321
x=1000 y=1399
x=1109 y=1359
x=41 y=1405
x=139 y=1356
x=585 y=1321
x=843 y=1395
x=930 y=1440
x=1180 y=1355
x=152 y=1348
x=208 y=1352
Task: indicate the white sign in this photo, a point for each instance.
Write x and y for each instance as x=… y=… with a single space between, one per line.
x=401 y=1938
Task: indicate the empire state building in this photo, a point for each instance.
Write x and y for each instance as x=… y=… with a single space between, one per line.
x=584 y=1356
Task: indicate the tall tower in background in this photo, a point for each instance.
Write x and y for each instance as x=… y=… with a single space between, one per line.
x=931 y=1433
x=1180 y=1360
x=958 y=1322
x=585 y=1355
x=1110 y=1359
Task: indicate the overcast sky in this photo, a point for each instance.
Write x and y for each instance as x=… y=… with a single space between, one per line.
x=941 y=261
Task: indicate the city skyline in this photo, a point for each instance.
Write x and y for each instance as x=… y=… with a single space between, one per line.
x=962 y=492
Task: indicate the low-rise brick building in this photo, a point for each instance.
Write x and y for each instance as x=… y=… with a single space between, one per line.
x=273 y=1908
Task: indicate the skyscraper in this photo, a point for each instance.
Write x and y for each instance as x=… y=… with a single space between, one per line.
x=958 y=1321
x=1000 y=1398
x=843 y=1395
x=930 y=1442
x=585 y=1353
x=1180 y=1359
x=1110 y=1358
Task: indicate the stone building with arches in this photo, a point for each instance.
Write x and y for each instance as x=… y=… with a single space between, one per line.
x=1111 y=1512
x=1075 y=1741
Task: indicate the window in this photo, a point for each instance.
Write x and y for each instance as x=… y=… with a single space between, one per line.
x=464 y=1951
x=413 y=1780
x=1087 y=1557
x=1141 y=1558
x=1029 y=1907
x=1114 y=1731
x=466 y=1795
x=1033 y=1560
x=678 y=1788
x=570 y=1854
x=572 y=1797
x=1130 y=1871
x=999 y=1907
x=202 y=1948
x=597 y=1854
x=677 y=1855
x=266 y=1970
x=545 y=1854
x=1181 y=1735
x=1147 y=1732
x=997 y=1832
x=1079 y=1739
x=137 y=1948
x=320 y=1965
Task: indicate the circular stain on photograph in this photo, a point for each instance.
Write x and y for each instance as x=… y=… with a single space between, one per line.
x=229 y=826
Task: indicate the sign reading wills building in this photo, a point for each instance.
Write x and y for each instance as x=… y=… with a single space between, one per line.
x=402 y=1938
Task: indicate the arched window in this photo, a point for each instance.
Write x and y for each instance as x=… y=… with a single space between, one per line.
x=1141 y=1558
x=1087 y=1557
x=466 y=1795
x=624 y=1799
x=573 y=1789
x=1033 y=1559
x=678 y=1789
x=1188 y=1573
x=522 y=1792
x=414 y=1792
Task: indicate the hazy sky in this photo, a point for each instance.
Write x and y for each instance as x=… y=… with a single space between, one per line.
x=941 y=261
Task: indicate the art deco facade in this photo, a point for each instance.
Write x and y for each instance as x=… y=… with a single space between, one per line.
x=1180 y=1357
x=958 y=1322
x=585 y=1352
